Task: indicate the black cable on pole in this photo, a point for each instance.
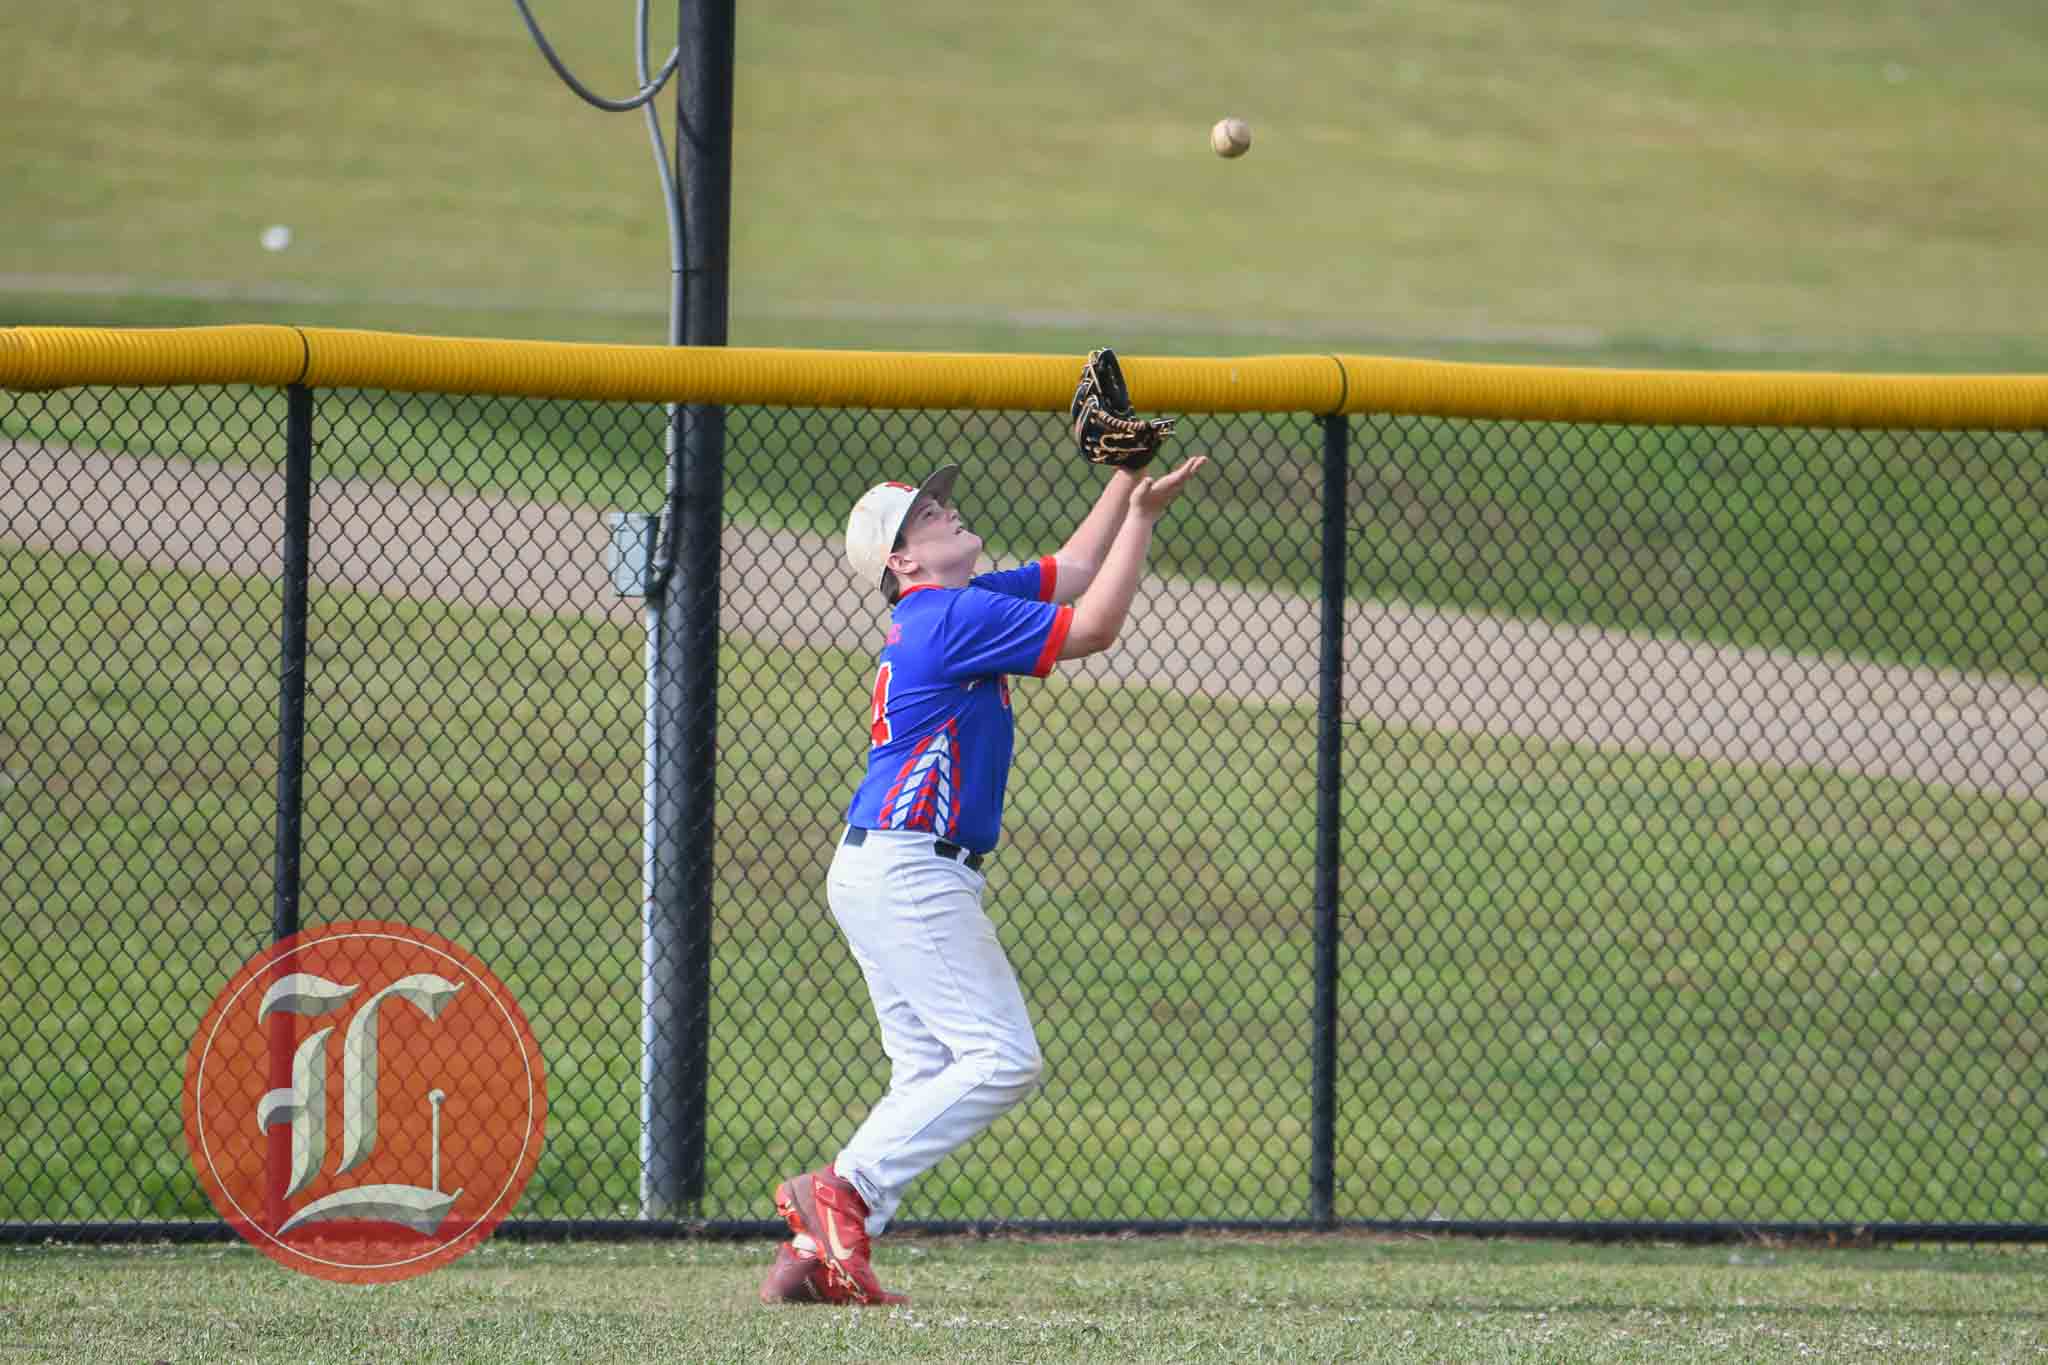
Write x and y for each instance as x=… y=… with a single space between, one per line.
x=662 y=560
x=646 y=92
x=669 y=199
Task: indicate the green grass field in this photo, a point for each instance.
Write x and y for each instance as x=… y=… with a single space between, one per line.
x=1183 y=1299
x=1577 y=985
x=1766 y=183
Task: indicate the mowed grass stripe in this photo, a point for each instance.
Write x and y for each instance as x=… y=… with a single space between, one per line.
x=1183 y=1299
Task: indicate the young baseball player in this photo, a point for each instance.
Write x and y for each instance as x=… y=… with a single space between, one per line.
x=906 y=884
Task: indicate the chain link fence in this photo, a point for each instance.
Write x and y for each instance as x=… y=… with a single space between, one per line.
x=1671 y=799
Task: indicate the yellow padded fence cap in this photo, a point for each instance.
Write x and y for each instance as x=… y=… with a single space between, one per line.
x=63 y=357
x=149 y=357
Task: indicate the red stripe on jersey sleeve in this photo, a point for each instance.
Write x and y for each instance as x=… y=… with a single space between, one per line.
x=1048 y=575
x=1055 y=640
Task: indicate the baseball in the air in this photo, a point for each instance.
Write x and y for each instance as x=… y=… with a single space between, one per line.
x=1231 y=137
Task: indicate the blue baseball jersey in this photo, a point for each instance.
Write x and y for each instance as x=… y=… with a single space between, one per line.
x=940 y=730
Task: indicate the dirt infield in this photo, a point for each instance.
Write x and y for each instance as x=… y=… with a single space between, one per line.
x=1405 y=665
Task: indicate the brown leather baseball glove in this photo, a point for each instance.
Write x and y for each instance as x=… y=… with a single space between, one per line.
x=1106 y=427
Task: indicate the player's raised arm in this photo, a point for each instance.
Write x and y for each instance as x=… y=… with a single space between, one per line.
x=1110 y=435
x=1080 y=559
x=1100 y=613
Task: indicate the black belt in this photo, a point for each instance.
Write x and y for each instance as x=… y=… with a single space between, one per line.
x=945 y=848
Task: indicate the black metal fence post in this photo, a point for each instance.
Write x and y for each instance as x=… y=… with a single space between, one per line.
x=291 y=750
x=1322 y=1179
x=291 y=707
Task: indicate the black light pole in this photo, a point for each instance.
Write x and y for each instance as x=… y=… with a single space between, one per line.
x=683 y=598
x=681 y=591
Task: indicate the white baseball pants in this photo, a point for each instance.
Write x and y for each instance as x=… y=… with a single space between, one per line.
x=961 y=1049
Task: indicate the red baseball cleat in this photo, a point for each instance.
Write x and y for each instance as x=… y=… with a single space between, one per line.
x=831 y=1213
x=796 y=1277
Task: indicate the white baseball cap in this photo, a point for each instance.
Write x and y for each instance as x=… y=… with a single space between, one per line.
x=877 y=519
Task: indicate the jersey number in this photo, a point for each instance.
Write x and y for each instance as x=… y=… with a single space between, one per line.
x=878 y=718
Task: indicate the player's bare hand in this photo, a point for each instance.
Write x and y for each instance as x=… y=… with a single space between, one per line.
x=1153 y=496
